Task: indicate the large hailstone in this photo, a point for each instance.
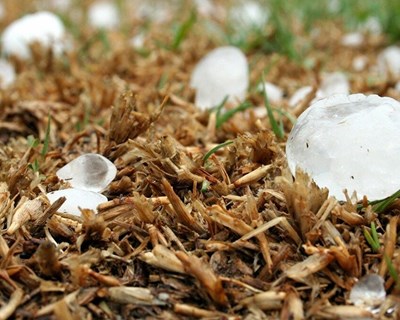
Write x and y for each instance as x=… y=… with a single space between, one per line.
x=91 y=172
x=222 y=72
x=349 y=142
x=41 y=27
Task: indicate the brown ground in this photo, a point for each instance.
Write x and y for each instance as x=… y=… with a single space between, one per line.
x=233 y=237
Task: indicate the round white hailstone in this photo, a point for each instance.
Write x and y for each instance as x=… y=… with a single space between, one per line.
x=7 y=73
x=299 y=95
x=368 y=292
x=137 y=41
x=91 y=172
x=205 y=8
x=274 y=93
x=359 y=63
x=372 y=25
x=43 y=27
x=75 y=199
x=222 y=72
x=104 y=14
x=349 y=142
x=249 y=14
x=353 y=39
x=333 y=83
x=389 y=61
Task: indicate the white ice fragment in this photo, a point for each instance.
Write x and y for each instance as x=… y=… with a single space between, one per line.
x=349 y=141
x=249 y=14
x=359 y=63
x=104 y=14
x=333 y=83
x=137 y=41
x=7 y=73
x=75 y=199
x=389 y=61
x=299 y=95
x=222 y=72
x=42 y=27
x=274 y=93
x=91 y=172
x=353 y=39
x=369 y=292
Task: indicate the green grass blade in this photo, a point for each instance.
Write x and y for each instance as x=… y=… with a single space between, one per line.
x=215 y=149
x=183 y=30
x=224 y=117
x=392 y=271
x=46 y=138
x=374 y=235
x=374 y=246
x=274 y=124
x=382 y=205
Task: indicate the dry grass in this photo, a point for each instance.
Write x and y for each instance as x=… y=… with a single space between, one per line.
x=254 y=243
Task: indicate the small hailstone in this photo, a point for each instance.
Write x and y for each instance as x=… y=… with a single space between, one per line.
x=249 y=14
x=222 y=72
x=43 y=27
x=91 y=172
x=353 y=39
x=7 y=73
x=75 y=199
x=299 y=95
x=103 y=14
x=137 y=41
x=389 y=61
x=372 y=25
x=274 y=93
x=205 y=7
x=368 y=292
x=349 y=142
x=333 y=83
x=359 y=63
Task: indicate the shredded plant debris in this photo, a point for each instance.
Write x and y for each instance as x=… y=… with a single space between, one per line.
x=203 y=218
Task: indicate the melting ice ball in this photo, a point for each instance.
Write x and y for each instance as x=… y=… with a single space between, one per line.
x=42 y=27
x=222 y=72
x=76 y=199
x=91 y=172
x=349 y=141
x=368 y=292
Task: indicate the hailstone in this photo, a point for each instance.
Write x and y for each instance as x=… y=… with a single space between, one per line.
x=349 y=142
x=91 y=172
x=42 y=27
x=75 y=199
x=223 y=72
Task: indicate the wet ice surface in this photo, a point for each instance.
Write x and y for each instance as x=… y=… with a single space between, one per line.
x=91 y=172
x=76 y=199
x=43 y=27
x=369 y=292
x=349 y=141
x=222 y=72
